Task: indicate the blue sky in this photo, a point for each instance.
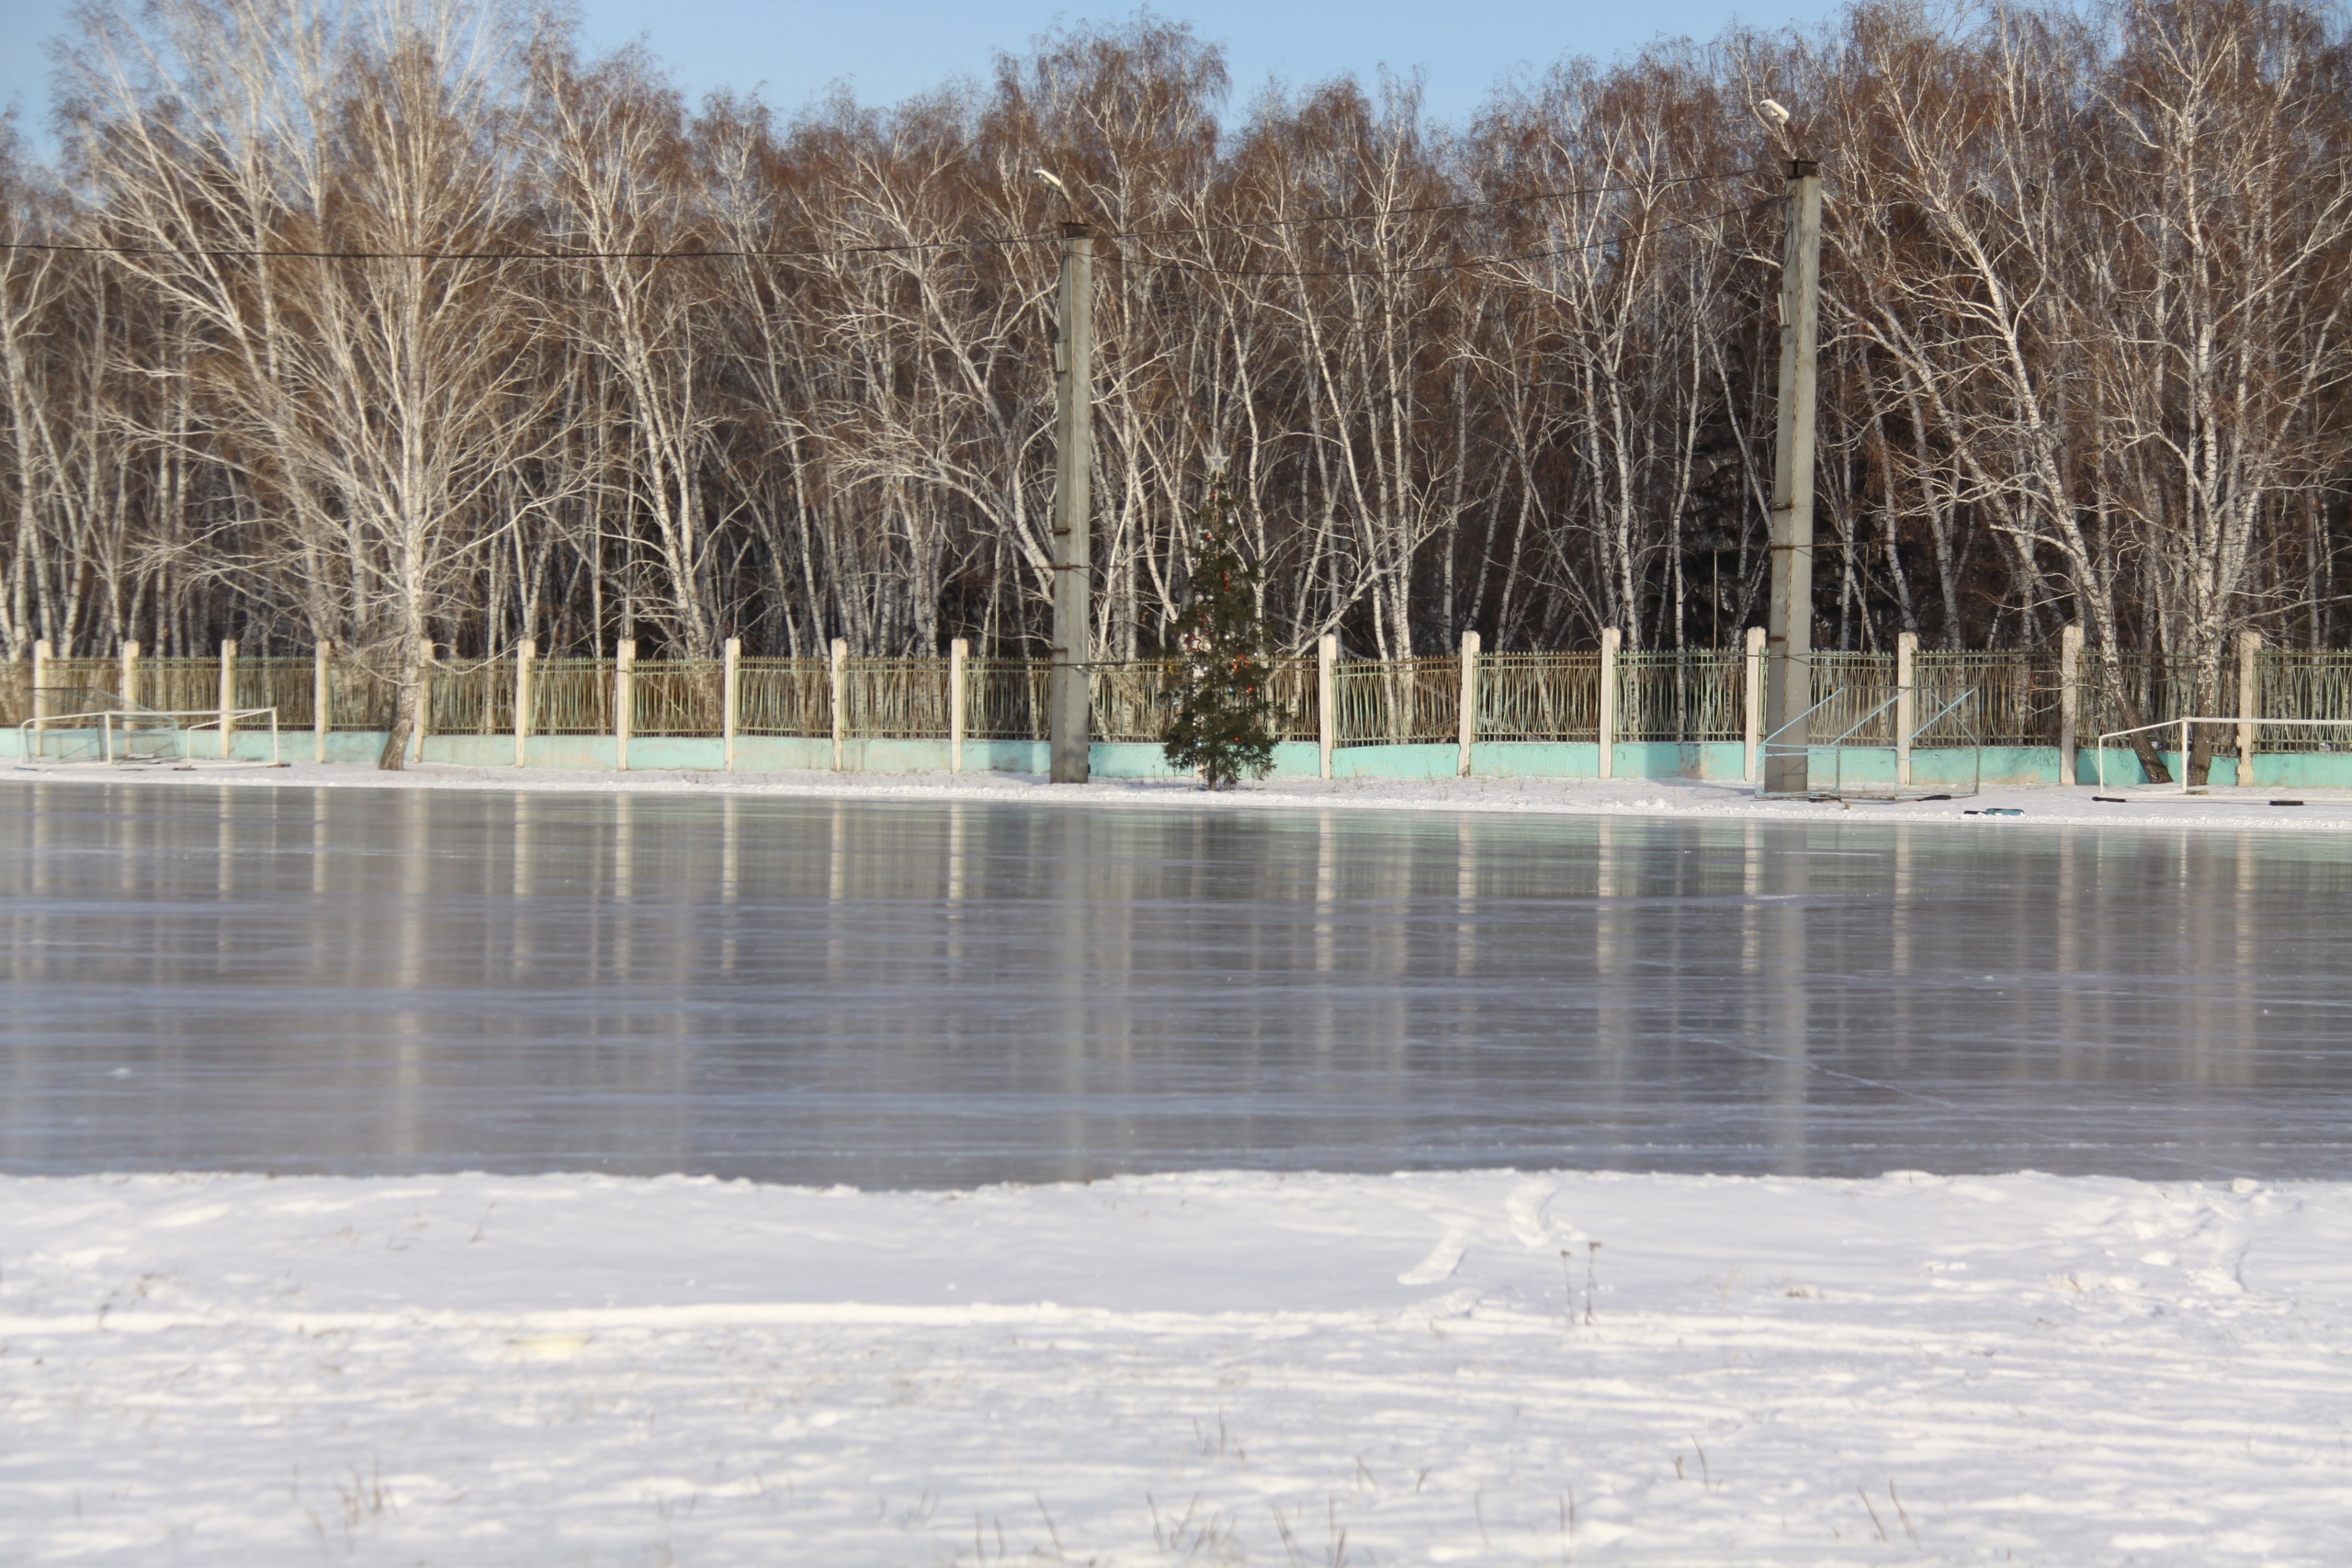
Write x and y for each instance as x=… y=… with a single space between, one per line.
x=887 y=48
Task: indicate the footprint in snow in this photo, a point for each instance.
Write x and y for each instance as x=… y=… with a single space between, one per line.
x=1524 y=1208
x=1442 y=1260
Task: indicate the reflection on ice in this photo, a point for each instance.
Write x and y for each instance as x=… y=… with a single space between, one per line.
x=886 y=993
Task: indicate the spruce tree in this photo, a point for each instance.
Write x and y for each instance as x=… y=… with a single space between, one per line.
x=1224 y=722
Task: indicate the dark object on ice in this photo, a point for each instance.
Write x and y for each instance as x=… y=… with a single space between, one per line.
x=2112 y=799
x=2286 y=803
x=1935 y=797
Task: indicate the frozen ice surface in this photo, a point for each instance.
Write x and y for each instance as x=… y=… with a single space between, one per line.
x=920 y=991
x=1476 y=1368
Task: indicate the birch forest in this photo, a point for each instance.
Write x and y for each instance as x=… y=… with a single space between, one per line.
x=413 y=325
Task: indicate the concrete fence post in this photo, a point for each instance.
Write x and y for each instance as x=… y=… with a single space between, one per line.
x=1610 y=641
x=2070 y=701
x=129 y=675
x=1906 y=703
x=623 y=699
x=2249 y=702
x=730 y=684
x=1327 y=700
x=322 y=698
x=841 y=698
x=525 y=653
x=42 y=653
x=1469 y=726
x=1752 y=720
x=228 y=691
x=959 y=669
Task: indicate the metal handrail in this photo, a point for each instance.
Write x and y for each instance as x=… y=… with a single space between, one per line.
x=1969 y=695
x=1905 y=741
x=1766 y=743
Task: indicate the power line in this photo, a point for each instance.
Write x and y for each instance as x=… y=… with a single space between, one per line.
x=1470 y=206
x=1466 y=262
x=846 y=253
x=254 y=252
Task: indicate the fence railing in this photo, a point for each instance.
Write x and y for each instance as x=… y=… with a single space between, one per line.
x=2309 y=686
x=1007 y=700
x=782 y=696
x=2019 y=697
x=895 y=699
x=572 y=696
x=179 y=685
x=1682 y=696
x=683 y=696
x=477 y=699
x=1538 y=697
x=1397 y=702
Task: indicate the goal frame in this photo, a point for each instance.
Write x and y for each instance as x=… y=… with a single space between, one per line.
x=2235 y=721
x=113 y=729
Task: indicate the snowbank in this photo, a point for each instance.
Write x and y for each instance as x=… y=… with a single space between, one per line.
x=1482 y=1367
x=2236 y=810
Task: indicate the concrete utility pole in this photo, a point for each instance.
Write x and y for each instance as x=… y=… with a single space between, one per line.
x=1071 y=719
x=1787 y=685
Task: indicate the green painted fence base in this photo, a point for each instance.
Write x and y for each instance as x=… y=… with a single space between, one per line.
x=2272 y=770
x=1719 y=760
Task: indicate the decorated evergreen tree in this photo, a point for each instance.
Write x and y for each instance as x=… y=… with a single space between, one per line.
x=1224 y=722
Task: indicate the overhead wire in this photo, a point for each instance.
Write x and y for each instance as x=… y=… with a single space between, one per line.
x=844 y=253
x=1472 y=205
x=1461 y=263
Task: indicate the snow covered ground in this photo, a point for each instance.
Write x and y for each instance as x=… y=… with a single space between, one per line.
x=1484 y=1367
x=2316 y=809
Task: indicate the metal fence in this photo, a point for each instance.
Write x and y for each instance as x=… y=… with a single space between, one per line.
x=1687 y=696
x=100 y=676
x=359 y=697
x=2309 y=685
x=1538 y=697
x=782 y=696
x=467 y=699
x=1698 y=695
x=179 y=685
x=1135 y=700
x=2121 y=691
x=289 y=685
x=1850 y=691
x=572 y=696
x=1005 y=699
x=894 y=699
x=1397 y=702
x=682 y=697
x=2016 y=704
